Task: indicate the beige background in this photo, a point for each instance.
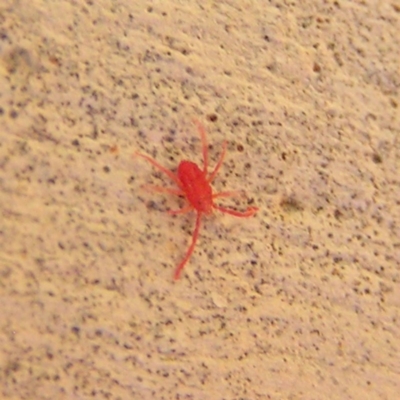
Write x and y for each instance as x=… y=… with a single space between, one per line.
x=301 y=301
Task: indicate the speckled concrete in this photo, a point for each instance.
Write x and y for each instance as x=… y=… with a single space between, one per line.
x=301 y=301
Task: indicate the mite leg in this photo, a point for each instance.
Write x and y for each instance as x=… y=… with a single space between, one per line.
x=248 y=213
x=219 y=163
x=161 y=168
x=183 y=210
x=234 y=193
x=179 y=268
x=204 y=146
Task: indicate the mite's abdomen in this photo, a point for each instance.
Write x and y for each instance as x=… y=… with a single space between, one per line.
x=198 y=191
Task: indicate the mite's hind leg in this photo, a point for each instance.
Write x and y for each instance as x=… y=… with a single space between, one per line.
x=179 y=268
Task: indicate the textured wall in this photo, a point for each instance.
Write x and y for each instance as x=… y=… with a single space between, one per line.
x=301 y=301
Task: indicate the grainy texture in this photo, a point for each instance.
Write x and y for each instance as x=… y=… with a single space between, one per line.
x=301 y=301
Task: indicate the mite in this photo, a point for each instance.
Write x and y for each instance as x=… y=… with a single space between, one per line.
x=194 y=184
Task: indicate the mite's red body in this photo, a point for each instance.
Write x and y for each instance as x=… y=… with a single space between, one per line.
x=195 y=185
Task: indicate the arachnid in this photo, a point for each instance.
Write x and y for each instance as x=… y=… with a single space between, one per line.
x=195 y=185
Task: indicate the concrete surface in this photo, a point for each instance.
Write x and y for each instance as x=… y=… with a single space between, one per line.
x=301 y=301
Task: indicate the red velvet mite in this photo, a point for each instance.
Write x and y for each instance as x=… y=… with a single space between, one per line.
x=195 y=185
